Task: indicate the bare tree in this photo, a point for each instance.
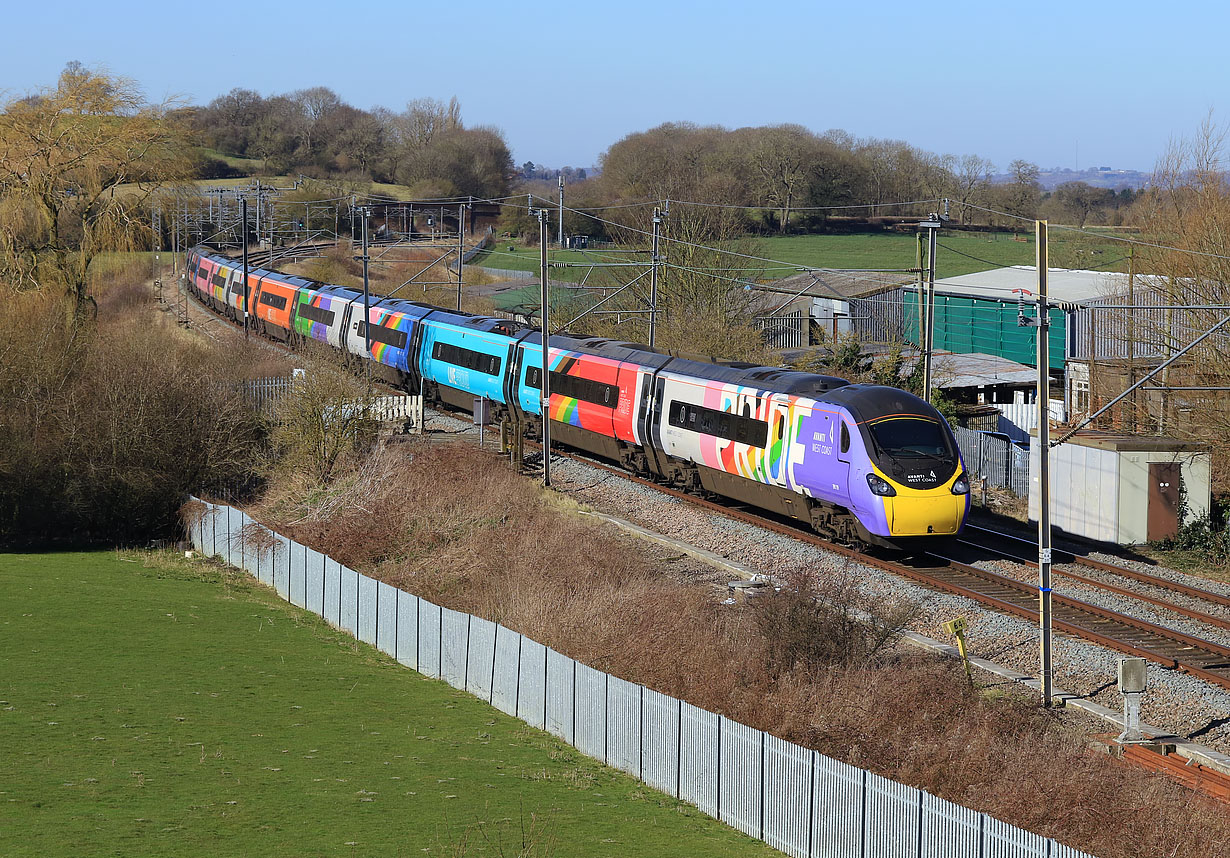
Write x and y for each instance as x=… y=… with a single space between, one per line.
x=77 y=163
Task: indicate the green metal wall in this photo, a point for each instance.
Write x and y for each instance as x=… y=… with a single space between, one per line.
x=987 y=325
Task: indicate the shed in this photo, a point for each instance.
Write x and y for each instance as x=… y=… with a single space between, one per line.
x=1125 y=489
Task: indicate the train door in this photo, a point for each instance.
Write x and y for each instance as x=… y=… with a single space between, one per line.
x=841 y=472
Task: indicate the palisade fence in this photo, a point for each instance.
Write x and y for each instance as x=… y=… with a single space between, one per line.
x=792 y=798
x=995 y=458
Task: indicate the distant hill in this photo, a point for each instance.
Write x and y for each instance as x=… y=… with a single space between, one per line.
x=1097 y=177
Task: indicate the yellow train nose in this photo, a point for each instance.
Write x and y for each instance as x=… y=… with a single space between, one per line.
x=919 y=513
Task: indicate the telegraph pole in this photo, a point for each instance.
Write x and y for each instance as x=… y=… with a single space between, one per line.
x=367 y=304
x=561 y=209
x=1044 y=469
x=932 y=225
x=653 y=277
x=243 y=226
x=546 y=359
x=461 y=210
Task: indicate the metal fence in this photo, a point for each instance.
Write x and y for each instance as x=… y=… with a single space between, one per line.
x=795 y=799
x=993 y=457
x=264 y=395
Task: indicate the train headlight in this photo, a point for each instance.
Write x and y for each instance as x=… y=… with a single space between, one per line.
x=880 y=486
x=960 y=486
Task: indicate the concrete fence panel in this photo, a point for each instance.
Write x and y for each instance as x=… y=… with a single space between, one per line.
x=560 y=689
x=624 y=711
x=660 y=718
x=333 y=593
x=506 y=671
x=366 y=622
x=430 y=630
x=314 y=584
x=348 y=601
x=454 y=643
x=480 y=658
x=532 y=686
x=299 y=576
x=408 y=630
x=386 y=619
x=699 y=751
x=590 y=708
x=741 y=765
x=296 y=557
x=788 y=773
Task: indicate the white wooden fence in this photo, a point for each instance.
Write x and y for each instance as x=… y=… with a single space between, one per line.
x=795 y=799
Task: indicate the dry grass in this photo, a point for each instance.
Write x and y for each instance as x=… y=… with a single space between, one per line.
x=453 y=525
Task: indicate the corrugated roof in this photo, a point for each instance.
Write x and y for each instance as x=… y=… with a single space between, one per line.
x=1062 y=284
x=839 y=283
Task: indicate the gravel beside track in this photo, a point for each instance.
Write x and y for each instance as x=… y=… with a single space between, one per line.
x=1187 y=707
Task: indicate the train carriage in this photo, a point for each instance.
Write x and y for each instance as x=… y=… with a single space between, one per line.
x=463 y=357
x=272 y=301
x=390 y=330
x=320 y=313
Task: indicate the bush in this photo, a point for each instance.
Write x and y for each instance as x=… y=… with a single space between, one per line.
x=104 y=428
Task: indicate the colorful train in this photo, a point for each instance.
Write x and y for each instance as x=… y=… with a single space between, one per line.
x=860 y=463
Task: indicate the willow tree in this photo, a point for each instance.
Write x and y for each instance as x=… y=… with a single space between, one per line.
x=78 y=164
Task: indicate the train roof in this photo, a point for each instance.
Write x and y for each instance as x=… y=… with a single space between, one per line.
x=768 y=378
x=869 y=402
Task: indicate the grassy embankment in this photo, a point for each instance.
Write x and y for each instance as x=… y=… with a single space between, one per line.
x=151 y=705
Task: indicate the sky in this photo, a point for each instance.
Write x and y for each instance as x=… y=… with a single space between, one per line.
x=1074 y=84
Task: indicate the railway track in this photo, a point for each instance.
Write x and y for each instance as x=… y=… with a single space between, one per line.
x=1166 y=647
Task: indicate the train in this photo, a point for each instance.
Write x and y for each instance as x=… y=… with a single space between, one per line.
x=861 y=464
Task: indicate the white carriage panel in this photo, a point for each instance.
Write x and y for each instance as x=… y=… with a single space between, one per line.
x=739 y=778
x=386 y=618
x=532 y=683
x=949 y=829
x=698 y=758
x=480 y=657
x=560 y=685
x=333 y=593
x=660 y=720
x=590 y=703
x=431 y=628
x=837 y=809
x=454 y=643
x=676 y=390
x=788 y=773
x=623 y=725
x=348 y=601
x=408 y=630
x=893 y=814
x=505 y=671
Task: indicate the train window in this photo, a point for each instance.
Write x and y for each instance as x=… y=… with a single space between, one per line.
x=468 y=358
x=781 y=426
x=277 y=302
x=380 y=334
x=316 y=314
x=721 y=424
x=575 y=387
x=911 y=437
x=845 y=438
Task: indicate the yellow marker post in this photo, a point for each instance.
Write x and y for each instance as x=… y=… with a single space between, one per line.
x=956 y=628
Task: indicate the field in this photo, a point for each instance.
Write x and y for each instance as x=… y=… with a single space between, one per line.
x=152 y=705
x=958 y=253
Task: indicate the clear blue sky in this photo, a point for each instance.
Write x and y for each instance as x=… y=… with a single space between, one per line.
x=1061 y=84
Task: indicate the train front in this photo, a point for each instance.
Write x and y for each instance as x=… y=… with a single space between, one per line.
x=907 y=484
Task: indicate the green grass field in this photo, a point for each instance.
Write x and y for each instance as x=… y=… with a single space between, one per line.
x=151 y=705
x=958 y=253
